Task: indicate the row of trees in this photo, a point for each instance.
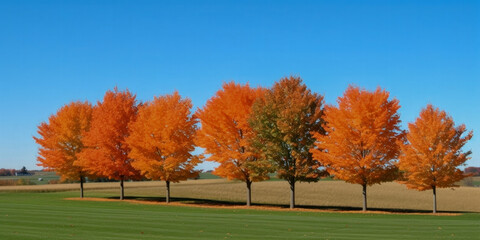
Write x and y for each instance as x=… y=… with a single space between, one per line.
x=13 y=172
x=474 y=171
x=7 y=172
x=252 y=132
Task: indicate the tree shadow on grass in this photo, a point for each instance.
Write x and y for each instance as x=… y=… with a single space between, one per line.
x=222 y=203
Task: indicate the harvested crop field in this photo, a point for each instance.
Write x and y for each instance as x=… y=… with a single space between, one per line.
x=324 y=194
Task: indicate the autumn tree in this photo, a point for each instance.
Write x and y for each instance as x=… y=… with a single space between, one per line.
x=162 y=140
x=61 y=141
x=284 y=121
x=474 y=171
x=7 y=172
x=360 y=146
x=433 y=151
x=226 y=135
x=106 y=151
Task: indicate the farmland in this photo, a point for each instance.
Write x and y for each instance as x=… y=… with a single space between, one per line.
x=323 y=194
x=328 y=210
x=35 y=178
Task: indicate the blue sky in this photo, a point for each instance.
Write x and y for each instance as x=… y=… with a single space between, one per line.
x=54 y=52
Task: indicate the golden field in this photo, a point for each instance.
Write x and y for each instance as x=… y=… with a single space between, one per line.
x=323 y=194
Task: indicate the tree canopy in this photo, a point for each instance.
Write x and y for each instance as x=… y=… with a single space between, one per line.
x=106 y=151
x=162 y=140
x=433 y=152
x=61 y=140
x=226 y=135
x=284 y=121
x=361 y=141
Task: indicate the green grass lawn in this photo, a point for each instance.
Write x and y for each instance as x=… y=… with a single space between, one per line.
x=49 y=216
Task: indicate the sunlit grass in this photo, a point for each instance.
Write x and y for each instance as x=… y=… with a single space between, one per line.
x=49 y=216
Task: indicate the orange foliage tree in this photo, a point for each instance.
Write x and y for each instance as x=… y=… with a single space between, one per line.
x=226 y=135
x=360 y=146
x=162 y=140
x=61 y=141
x=106 y=151
x=433 y=152
x=284 y=121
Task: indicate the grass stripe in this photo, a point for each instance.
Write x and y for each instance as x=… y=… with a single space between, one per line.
x=48 y=216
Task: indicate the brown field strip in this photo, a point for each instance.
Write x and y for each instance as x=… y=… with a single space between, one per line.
x=266 y=208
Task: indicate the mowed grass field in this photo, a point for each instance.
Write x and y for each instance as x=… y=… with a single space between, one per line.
x=44 y=212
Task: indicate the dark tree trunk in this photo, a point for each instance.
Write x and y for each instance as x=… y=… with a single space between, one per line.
x=122 y=195
x=364 y=197
x=434 y=199
x=167 y=194
x=81 y=186
x=292 y=194
x=249 y=193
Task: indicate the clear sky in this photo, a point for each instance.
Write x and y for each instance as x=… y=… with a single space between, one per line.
x=54 y=52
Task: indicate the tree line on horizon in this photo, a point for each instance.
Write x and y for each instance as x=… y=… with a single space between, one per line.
x=13 y=172
x=253 y=132
x=474 y=171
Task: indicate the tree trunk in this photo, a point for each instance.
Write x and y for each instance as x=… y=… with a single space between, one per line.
x=364 y=197
x=249 y=193
x=292 y=194
x=434 y=199
x=167 y=194
x=81 y=186
x=121 y=189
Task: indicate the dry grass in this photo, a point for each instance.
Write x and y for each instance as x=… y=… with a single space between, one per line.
x=325 y=194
